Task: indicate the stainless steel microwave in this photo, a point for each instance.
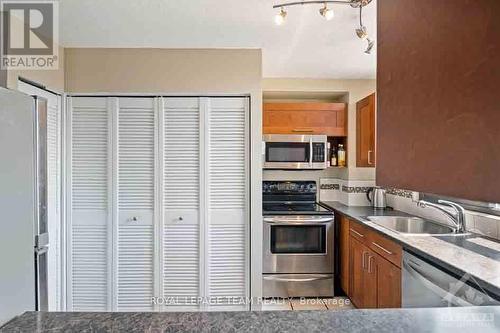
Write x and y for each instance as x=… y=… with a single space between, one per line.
x=282 y=151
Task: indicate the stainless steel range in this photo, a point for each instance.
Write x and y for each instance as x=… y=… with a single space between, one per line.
x=298 y=254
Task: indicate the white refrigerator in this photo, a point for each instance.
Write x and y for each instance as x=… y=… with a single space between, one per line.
x=24 y=238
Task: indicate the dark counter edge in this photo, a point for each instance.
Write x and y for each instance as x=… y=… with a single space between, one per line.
x=495 y=290
x=365 y=320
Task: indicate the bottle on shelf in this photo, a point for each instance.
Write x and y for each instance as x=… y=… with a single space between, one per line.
x=333 y=158
x=341 y=156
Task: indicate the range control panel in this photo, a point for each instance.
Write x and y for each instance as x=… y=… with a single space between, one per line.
x=289 y=187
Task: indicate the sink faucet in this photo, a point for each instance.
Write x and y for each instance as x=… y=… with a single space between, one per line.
x=458 y=216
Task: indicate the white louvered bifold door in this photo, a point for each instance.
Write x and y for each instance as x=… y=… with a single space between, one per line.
x=227 y=265
x=54 y=117
x=89 y=204
x=181 y=199
x=136 y=191
x=54 y=199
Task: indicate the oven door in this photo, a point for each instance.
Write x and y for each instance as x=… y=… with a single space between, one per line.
x=298 y=244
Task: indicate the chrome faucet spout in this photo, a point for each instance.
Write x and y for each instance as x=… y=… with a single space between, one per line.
x=457 y=217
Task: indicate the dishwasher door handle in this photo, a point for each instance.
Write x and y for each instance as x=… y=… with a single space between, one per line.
x=445 y=295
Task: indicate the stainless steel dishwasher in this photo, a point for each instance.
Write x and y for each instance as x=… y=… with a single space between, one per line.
x=427 y=285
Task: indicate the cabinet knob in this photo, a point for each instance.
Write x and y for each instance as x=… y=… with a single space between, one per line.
x=134 y=219
x=181 y=218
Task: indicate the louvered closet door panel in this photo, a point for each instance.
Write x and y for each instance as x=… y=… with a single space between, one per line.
x=181 y=176
x=181 y=157
x=136 y=169
x=181 y=265
x=89 y=284
x=54 y=198
x=227 y=257
x=53 y=190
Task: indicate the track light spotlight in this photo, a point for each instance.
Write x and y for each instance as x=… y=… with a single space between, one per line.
x=369 y=49
x=279 y=19
x=326 y=12
x=361 y=32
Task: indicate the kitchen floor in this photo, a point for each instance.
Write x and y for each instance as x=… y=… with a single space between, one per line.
x=300 y=304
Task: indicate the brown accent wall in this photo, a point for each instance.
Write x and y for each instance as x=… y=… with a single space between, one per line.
x=438 y=126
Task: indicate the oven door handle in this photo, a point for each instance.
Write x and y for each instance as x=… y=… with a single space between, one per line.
x=309 y=279
x=320 y=220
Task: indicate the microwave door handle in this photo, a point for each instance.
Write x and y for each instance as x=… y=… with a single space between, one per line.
x=325 y=152
x=310 y=152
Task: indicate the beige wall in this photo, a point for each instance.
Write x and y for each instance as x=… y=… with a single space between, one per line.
x=51 y=79
x=163 y=70
x=356 y=89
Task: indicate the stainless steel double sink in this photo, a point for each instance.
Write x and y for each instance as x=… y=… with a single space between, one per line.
x=411 y=225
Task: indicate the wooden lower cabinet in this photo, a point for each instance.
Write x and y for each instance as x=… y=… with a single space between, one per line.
x=363 y=282
x=388 y=284
x=372 y=280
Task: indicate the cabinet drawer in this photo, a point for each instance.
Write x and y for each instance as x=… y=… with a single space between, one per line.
x=359 y=232
x=386 y=248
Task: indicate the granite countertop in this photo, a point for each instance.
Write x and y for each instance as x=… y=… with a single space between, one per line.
x=486 y=319
x=462 y=254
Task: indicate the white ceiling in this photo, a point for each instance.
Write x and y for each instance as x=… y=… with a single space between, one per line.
x=306 y=46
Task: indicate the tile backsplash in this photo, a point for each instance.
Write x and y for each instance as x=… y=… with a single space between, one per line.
x=348 y=192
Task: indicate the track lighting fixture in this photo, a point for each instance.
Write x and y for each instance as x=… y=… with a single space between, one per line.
x=371 y=43
x=326 y=12
x=361 y=32
x=279 y=19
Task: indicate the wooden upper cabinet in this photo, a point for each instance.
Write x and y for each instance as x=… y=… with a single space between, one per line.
x=365 y=129
x=305 y=118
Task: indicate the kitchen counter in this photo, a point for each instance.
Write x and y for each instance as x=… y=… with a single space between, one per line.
x=486 y=319
x=469 y=254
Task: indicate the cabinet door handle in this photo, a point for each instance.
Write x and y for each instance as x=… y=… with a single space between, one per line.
x=357 y=233
x=382 y=248
x=370 y=264
x=363 y=264
x=303 y=130
x=370 y=157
